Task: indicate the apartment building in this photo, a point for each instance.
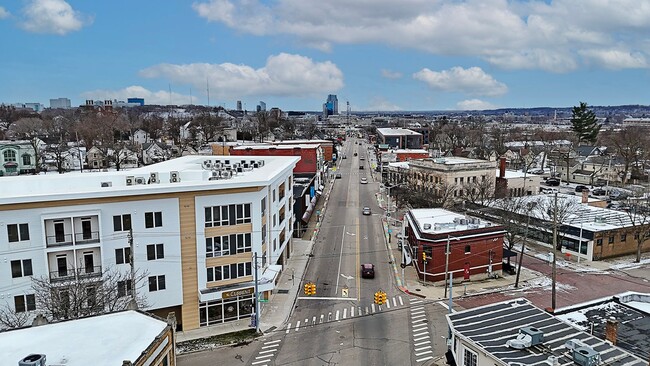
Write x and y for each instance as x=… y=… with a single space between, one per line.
x=192 y=225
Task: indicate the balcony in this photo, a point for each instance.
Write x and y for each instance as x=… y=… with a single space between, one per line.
x=86 y=237
x=70 y=274
x=59 y=240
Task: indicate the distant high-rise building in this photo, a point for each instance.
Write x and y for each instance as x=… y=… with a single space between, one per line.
x=60 y=103
x=261 y=107
x=331 y=106
x=239 y=105
x=135 y=101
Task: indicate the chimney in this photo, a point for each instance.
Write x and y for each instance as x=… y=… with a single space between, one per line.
x=585 y=196
x=502 y=167
x=611 y=330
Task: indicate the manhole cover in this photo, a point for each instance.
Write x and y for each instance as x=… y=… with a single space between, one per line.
x=283 y=291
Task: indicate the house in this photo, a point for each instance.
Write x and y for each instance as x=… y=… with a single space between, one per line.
x=70 y=157
x=515 y=332
x=154 y=152
x=195 y=227
x=96 y=158
x=474 y=246
x=126 y=158
x=141 y=137
x=114 y=340
x=17 y=157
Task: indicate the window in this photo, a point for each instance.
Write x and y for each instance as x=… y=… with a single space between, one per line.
x=229 y=271
x=156 y=283
x=152 y=219
x=228 y=245
x=469 y=358
x=274 y=195
x=10 y=155
x=611 y=239
x=25 y=303
x=263 y=206
x=27 y=160
x=274 y=220
x=228 y=215
x=122 y=222
x=599 y=242
x=123 y=255
x=124 y=288
x=468 y=249
x=165 y=361
x=17 y=232
x=21 y=268
x=155 y=251
x=623 y=237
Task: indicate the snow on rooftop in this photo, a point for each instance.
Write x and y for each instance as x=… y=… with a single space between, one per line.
x=455 y=160
x=279 y=147
x=100 y=340
x=437 y=220
x=401 y=164
x=193 y=176
x=513 y=174
x=396 y=131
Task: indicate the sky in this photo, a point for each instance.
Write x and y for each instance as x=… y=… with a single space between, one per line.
x=378 y=55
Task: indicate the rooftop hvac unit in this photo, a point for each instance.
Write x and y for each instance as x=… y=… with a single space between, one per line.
x=174 y=177
x=153 y=178
x=260 y=163
x=32 y=360
x=130 y=180
x=536 y=335
x=107 y=184
x=427 y=226
x=252 y=162
x=522 y=341
x=207 y=164
x=226 y=162
x=240 y=170
x=463 y=221
x=255 y=166
x=215 y=174
x=226 y=175
x=217 y=165
x=586 y=356
x=140 y=180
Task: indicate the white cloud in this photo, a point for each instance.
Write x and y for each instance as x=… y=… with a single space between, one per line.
x=283 y=75
x=613 y=59
x=160 y=97
x=474 y=105
x=472 y=81
x=52 y=16
x=535 y=34
x=390 y=74
x=381 y=104
x=4 y=13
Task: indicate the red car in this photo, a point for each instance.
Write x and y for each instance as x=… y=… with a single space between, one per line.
x=368 y=270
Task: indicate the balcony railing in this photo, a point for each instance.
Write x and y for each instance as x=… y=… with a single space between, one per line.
x=71 y=273
x=87 y=237
x=58 y=240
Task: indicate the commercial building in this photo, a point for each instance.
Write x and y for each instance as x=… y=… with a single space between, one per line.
x=138 y=101
x=331 y=106
x=399 y=138
x=329 y=153
x=60 y=103
x=192 y=224
x=103 y=340
x=510 y=183
x=515 y=332
x=475 y=245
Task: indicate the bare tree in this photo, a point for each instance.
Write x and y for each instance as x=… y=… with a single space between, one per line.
x=630 y=144
x=9 y=318
x=480 y=191
x=639 y=215
x=32 y=129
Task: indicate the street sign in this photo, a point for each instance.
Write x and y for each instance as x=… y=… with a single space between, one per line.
x=344 y=292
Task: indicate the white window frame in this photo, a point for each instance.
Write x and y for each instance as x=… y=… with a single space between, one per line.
x=466 y=361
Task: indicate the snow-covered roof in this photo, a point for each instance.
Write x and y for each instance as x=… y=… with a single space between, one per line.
x=397 y=131
x=190 y=170
x=438 y=220
x=408 y=151
x=100 y=340
x=456 y=160
x=279 y=147
x=514 y=174
x=400 y=164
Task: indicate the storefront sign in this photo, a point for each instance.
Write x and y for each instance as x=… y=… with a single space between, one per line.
x=235 y=293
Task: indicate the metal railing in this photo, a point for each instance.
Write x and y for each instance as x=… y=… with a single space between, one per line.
x=87 y=237
x=58 y=240
x=72 y=273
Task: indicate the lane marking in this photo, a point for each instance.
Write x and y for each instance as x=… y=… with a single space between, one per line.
x=401 y=303
x=345 y=313
x=356 y=221
x=424 y=359
x=275 y=341
x=288 y=328
x=337 y=316
x=297 y=325
x=338 y=274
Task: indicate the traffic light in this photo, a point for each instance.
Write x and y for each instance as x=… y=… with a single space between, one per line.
x=377 y=298
x=310 y=288
x=424 y=256
x=313 y=288
x=307 y=288
x=383 y=297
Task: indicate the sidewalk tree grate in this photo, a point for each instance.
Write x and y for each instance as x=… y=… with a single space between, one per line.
x=280 y=291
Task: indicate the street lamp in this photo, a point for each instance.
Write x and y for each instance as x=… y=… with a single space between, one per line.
x=447 y=261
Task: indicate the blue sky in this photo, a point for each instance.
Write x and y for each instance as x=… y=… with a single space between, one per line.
x=376 y=54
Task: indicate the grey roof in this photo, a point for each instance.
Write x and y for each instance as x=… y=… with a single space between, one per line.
x=489 y=327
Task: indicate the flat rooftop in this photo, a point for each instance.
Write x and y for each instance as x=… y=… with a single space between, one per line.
x=191 y=171
x=397 y=131
x=489 y=327
x=438 y=221
x=279 y=147
x=100 y=340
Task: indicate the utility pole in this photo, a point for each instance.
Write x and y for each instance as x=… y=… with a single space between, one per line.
x=447 y=263
x=257 y=300
x=132 y=263
x=523 y=245
x=554 y=275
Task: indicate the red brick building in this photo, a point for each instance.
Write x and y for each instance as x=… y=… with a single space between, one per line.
x=311 y=156
x=326 y=145
x=476 y=246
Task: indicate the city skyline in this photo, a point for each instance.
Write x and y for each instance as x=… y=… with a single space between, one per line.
x=378 y=56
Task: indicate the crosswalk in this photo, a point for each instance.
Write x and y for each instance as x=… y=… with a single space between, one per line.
x=422 y=347
x=346 y=312
x=267 y=351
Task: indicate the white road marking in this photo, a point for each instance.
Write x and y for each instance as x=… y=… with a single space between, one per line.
x=373 y=308
x=321 y=317
x=351 y=311
x=416 y=301
x=418 y=320
x=336 y=289
x=421 y=334
x=420 y=339
x=423 y=353
x=419 y=327
x=259 y=362
x=265 y=356
x=274 y=346
x=267 y=351
x=306 y=321
x=337 y=316
x=417 y=311
x=418 y=316
x=345 y=313
x=422 y=348
x=388 y=304
x=367 y=311
x=394 y=302
x=275 y=341
x=442 y=303
x=313 y=321
x=401 y=303
x=379 y=306
x=297 y=325
x=288 y=328
x=416 y=308
x=421 y=343
x=424 y=359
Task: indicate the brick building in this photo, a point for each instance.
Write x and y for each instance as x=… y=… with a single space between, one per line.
x=475 y=245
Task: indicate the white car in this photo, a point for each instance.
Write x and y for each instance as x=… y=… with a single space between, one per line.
x=364 y=180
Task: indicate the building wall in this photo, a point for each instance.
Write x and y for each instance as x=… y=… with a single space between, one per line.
x=616 y=243
x=308 y=163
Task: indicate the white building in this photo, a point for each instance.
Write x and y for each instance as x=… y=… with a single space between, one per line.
x=195 y=224
x=60 y=103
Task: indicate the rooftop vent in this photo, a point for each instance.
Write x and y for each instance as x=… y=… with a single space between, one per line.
x=32 y=360
x=586 y=356
x=427 y=226
x=140 y=180
x=537 y=336
x=174 y=177
x=130 y=180
x=153 y=178
x=107 y=184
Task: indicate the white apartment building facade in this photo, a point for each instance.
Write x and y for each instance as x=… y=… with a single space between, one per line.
x=195 y=224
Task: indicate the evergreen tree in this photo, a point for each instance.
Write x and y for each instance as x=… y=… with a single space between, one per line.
x=584 y=124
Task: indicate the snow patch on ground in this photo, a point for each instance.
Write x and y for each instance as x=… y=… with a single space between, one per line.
x=628 y=264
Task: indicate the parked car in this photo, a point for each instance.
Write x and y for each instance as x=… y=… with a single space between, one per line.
x=338 y=175
x=364 y=180
x=581 y=188
x=366 y=211
x=361 y=166
x=553 y=182
x=362 y=158
x=367 y=270
x=599 y=192
x=355 y=154
x=537 y=171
